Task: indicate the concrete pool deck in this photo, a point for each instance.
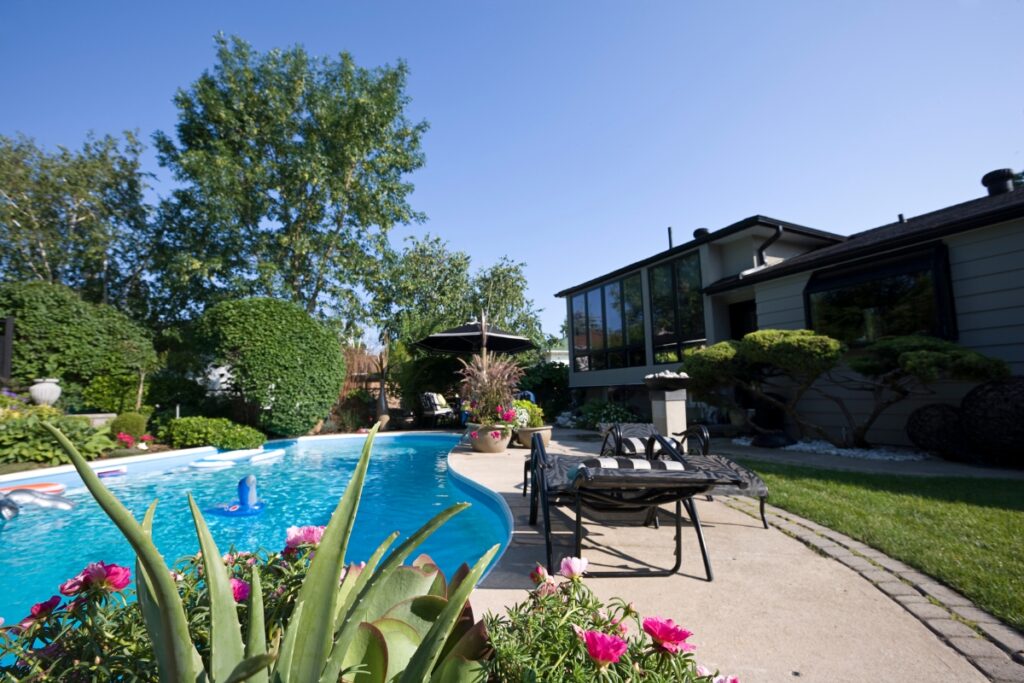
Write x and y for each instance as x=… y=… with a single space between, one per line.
x=776 y=611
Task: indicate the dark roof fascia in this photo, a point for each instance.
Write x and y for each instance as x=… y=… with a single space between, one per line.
x=750 y=222
x=815 y=260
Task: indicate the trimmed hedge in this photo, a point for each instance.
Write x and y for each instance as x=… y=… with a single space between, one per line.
x=129 y=423
x=286 y=369
x=189 y=432
x=84 y=341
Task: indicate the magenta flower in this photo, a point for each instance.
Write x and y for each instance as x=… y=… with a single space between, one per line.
x=474 y=435
x=302 y=535
x=495 y=435
x=231 y=558
x=146 y=437
x=38 y=612
x=98 y=575
x=603 y=648
x=127 y=439
x=240 y=589
x=667 y=635
x=540 y=575
x=573 y=567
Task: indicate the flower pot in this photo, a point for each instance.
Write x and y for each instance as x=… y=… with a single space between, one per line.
x=524 y=435
x=483 y=442
x=45 y=392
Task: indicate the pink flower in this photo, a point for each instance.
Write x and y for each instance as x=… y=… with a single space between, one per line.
x=667 y=635
x=540 y=575
x=303 y=535
x=39 y=611
x=146 y=437
x=127 y=439
x=546 y=588
x=98 y=575
x=603 y=648
x=580 y=633
x=474 y=435
x=177 y=576
x=231 y=558
x=726 y=679
x=573 y=567
x=240 y=589
x=495 y=435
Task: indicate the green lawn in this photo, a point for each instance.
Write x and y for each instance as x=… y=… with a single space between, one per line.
x=968 y=533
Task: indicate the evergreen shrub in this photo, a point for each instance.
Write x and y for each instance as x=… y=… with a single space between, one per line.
x=190 y=432
x=129 y=423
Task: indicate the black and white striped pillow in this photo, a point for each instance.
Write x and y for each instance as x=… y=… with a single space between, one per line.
x=632 y=464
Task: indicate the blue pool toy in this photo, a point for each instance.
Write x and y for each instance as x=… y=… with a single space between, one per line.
x=247 y=504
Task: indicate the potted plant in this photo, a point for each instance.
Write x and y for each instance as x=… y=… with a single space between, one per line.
x=46 y=390
x=487 y=387
x=530 y=421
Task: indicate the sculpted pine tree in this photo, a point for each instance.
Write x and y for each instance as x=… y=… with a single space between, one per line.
x=292 y=171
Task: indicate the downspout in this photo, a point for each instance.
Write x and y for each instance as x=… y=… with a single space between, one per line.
x=767 y=243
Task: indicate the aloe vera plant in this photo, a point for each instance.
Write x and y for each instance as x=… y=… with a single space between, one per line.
x=386 y=621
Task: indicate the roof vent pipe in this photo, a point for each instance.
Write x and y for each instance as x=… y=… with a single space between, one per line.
x=700 y=232
x=670 y=237
x=767 y=243
x=999 y=181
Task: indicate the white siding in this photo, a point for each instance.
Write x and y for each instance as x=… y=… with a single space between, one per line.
x=987 y=267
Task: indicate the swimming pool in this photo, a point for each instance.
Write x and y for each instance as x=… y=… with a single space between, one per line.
x=407 y=483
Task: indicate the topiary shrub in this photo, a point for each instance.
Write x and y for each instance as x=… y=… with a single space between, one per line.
x=56 y=334
x=191 y=432
x=129 y=423
x=993 y=418
x=285 y=368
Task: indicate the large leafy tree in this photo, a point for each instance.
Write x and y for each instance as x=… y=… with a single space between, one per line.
x=75 y=217
x=292 y=171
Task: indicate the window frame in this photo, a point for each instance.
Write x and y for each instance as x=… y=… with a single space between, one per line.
x=679 y=343
x=932 y=257
x=597 y=360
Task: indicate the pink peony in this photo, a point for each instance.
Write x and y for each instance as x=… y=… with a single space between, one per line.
x=38 y=611
x=98 y=575
x=240 y=589
x=573 y=567
x=603 y=648
x=667 y=635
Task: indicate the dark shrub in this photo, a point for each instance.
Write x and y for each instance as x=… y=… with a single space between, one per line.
x=549 y=382
x=286 y=369
x=129 y=423
x=190 y=432
x=993 y=418
x=56 y=334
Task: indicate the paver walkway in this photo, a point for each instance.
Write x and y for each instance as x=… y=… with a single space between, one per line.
x=777 y=610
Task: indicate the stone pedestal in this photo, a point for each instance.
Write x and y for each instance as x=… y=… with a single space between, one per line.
x=668 y=408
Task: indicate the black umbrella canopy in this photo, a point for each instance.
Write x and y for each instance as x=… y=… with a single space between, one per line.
x=469 y=338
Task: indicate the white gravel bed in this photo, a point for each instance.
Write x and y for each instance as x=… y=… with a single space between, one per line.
x=890 y=453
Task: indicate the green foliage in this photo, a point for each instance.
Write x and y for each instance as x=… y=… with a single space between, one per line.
x=111 y=393
x=398 y=623
x=488 y=382
x=710 y=368
x=292 y=170
x=549 y=382
x=594 y=413
x=926 y=359
x=190 y=432
x=24 y=439
x=286 y=369
x=532 y=414
x=540 y=640
x=129 y=423
x=801 y=354
x=75 y=218
x=86 y=341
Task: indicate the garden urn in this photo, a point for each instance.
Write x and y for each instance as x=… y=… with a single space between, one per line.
x=483 y=439
x=45 y=392
x=525 y=434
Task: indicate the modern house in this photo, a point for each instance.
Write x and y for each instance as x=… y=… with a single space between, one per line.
x=956 y=273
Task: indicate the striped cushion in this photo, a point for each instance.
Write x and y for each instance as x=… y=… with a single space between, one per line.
x=634 y=444
x=631 y=464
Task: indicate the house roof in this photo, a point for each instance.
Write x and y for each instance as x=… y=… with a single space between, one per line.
x=953 y=219
x=744 y=224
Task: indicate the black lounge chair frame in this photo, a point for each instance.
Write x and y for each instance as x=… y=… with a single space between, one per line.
x=618 y=490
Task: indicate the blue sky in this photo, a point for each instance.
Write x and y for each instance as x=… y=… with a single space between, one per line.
x=569 y=135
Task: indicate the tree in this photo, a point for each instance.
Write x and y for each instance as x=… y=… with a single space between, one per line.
x=75 y=218
x=293 y=172
x=781 y=367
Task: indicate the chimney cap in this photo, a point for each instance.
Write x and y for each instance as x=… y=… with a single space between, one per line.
x=999 y=181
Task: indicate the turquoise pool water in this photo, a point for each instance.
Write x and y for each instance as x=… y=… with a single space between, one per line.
x=407 y=483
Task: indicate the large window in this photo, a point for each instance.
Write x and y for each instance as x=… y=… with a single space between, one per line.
x=907 y=292
x=677 y=307
x=608 y=326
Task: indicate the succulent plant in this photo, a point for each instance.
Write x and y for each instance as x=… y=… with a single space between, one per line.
x=384 y=621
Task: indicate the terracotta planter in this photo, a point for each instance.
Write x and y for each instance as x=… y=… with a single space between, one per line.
x=485 y=443
x=524 y=435
x=45 y=392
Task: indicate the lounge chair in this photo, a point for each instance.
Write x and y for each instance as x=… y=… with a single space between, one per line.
x=693 y=447
x=435 y=408
x=620 y=485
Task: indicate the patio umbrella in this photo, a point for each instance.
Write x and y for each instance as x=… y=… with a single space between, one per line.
x=474 y=336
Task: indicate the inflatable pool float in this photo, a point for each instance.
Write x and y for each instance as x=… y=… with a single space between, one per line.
x=211 y=464
x=235 y=455
x=267 y=455
x=247 y=504
x=50 y=487
x=118 y=471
